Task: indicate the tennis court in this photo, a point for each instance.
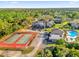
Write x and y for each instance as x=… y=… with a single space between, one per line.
x=13 y=38
x=18 y=40
x=24 y=39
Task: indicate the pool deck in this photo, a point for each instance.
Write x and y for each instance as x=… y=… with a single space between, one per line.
x=69 y=37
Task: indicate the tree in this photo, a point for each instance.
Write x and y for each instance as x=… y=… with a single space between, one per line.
x=61 y=41
x=47 y=53
x=73 y=53
x=74 y=45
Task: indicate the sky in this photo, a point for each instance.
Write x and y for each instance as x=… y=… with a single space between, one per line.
x=39 y=4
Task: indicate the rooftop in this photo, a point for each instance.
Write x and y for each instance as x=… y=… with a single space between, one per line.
x=57 y=32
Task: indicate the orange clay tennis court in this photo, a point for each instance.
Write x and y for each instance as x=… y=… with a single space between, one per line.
x=18 y=40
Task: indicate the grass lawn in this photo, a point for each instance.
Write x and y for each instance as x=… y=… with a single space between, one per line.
x=64 y=23
x=48 y=29
x=55 y=45
x=60 y=25
x=51 y=45
x=57 y=26
x=77 y=30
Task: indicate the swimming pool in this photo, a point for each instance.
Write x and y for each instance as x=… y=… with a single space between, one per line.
x=72 y=33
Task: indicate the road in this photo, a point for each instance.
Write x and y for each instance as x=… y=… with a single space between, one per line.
x=38 y=43
x=35 y=49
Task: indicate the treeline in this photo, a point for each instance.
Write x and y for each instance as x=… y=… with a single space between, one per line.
x=14 y=19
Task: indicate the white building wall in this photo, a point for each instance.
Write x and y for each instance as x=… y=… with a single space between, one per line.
x=55 y=37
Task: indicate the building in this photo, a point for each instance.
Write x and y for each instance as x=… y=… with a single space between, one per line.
x=51 y=37
x=74 y=25
x=56 y=34
x=42 y=24
x=49 y=23
x=68 y=19
x=46 y=36
x=58 y=20
x=38 y=25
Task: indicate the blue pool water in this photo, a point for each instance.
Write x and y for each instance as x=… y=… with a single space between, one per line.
x=72 y=33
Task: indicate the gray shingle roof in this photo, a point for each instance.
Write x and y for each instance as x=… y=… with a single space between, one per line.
x=75 y=25
x=42 y=24
x=57 y=32
x=57 y=20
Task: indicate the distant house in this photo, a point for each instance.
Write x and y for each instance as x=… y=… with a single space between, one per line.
x=68 y=19
x=49 y=23
x=57 y=20
x=41 y=24
x=38 y=25
x=74 y=25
